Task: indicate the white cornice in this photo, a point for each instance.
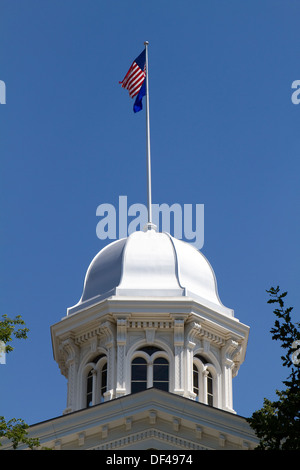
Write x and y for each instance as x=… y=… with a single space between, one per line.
x=158 y=311
x=165 y=416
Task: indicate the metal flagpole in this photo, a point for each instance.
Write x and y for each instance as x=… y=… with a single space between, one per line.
x=150 y=225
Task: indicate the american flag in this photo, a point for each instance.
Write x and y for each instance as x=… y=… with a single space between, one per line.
x=135 y=76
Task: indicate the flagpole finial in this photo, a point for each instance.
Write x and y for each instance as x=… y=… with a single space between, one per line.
x=146 y=43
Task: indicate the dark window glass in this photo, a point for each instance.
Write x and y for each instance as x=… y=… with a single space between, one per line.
x=150 y=349
x=97 y=358
x=161 y=374
x=138 y=375
x=89 y=389
x=196 y=381
x=138 y=386
x=209 y=389
x=202 y=359
x=103 y=380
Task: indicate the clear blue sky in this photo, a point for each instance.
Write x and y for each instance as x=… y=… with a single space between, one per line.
x=224 y=133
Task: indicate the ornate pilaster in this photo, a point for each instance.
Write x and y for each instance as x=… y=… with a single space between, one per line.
x=229 y=352
x=109 y=343
x=193 y=331
x=70 y=353
x=179 y=356
x=121 y=354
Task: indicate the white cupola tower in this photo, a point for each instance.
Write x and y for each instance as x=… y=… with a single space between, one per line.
x=149 y=316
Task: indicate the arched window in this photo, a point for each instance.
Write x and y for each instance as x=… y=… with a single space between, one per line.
x=203 y=381
x=96 y=380
x=150 y=369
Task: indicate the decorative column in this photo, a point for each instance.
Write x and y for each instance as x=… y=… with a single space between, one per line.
x=70 y=352
x=121 y=354
x=192 y=331
x=109 y=343
x=94 y=373
x=178 y=356
x=205 y=374
x=229 y=351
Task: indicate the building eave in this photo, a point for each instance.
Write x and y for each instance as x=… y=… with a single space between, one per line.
x=129 y=421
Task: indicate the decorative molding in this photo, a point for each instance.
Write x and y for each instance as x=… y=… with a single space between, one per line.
x=81 y=438
x=57 y=444
x=128 y=424
x=104 y=432
x=150 y=335
x=179 y=332
x=87 y=336
x=231 y=352
x=68 y=353
x=222 y=440
x=192 y=332
x=104 y=330
x=212 y=337
x=176 y=424
x=197 y=331
x=165 y=437
x=199 y=432
x=107 y=334
x=121 y=331
x=150 y=324
x=121 y=344
x=152 y=417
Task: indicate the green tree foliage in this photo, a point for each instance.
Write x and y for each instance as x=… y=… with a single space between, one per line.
x=277 y=423
x=15 y=429
x=8 y=330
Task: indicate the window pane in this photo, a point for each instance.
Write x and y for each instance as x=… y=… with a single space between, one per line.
x=161 y=360
x=138 y=375
x=89 y=389
x=139 y=360
x=139 y=369
x=161 y=385
x=195 y=380
x=161 y=374
x=210 y=389
x=209 y=383
x=138 y=386
x=104 y=379
x=139 y=372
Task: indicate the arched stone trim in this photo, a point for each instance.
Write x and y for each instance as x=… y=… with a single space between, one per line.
x=210 y=368
x=101 y=363
x=200 y=368
x=87 y=364
x=134 y=352
x=204 y=368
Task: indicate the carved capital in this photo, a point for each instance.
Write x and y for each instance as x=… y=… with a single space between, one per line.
x=178 y=332
x=121 y=331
